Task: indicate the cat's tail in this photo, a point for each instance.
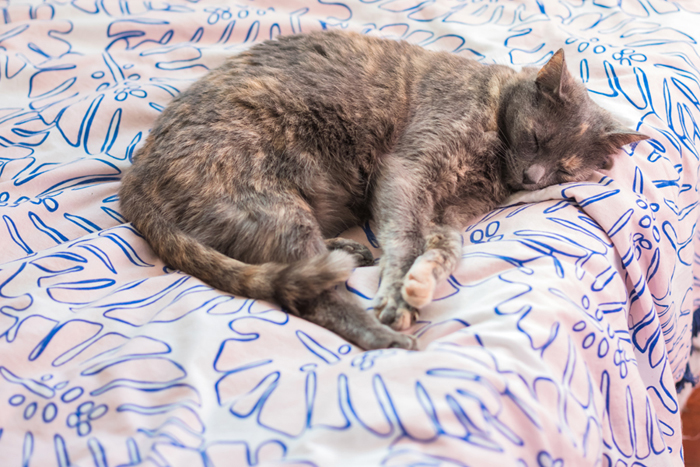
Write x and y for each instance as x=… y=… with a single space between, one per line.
x=288 y=284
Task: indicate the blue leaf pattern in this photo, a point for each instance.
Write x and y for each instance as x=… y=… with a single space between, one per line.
x=556 y=343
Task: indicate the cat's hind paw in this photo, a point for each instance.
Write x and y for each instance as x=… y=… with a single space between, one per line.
x=361 y=254
x=419 y=285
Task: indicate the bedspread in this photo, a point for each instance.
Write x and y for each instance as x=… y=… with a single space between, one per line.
x=556 y=343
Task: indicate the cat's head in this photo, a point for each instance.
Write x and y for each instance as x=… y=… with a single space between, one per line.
x=553 y=132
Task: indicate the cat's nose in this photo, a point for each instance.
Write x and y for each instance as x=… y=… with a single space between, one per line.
x=533 y=174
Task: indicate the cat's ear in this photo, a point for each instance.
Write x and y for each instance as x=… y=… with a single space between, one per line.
x=554 y=78
x=621 y=136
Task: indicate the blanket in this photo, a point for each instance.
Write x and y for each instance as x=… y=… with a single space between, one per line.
x=557 y=342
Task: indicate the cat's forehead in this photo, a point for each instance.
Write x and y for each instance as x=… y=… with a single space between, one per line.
x=570 y=122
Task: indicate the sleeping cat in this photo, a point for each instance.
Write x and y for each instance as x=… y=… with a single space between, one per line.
x=248 y=175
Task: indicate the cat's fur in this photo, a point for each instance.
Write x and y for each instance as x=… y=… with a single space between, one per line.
x=248 y=175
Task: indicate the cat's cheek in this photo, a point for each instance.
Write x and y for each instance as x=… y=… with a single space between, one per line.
x=609 y=163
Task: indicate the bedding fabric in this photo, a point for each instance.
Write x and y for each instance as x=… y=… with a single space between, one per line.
x=556 y=343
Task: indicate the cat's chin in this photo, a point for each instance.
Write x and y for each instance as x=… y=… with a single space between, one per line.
x=515 y=187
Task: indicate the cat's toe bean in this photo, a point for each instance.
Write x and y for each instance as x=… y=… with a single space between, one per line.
x=396 y=313
x=386 y=314
x=419 y=286
x=402 y=320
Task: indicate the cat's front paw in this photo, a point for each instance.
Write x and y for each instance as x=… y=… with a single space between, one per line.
x=419 y=285
x=396 y=313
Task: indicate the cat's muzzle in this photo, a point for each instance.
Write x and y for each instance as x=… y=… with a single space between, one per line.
x=533 y=177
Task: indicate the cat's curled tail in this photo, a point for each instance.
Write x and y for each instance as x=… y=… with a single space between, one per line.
x=288 y=284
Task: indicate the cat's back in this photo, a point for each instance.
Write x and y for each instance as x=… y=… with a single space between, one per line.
x=334 y=91
x=337 y=78
x=312 y=69
x=327 y=58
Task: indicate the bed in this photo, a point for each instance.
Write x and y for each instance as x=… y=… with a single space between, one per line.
x=560 y=340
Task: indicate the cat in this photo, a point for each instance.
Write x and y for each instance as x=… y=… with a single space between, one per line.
x=248 y=175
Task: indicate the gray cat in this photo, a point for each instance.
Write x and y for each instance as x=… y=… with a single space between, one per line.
x=248 y=175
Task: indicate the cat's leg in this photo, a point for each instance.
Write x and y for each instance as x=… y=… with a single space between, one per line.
x=265 y=226
x=296 y=235
x=419 y=250
x=399 y=253
x=402 y=213
x=408 y=282
x=342 y=315
x=443 y=249
x=362 y=255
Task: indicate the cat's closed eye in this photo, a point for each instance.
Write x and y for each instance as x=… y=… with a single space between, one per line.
x=564 y=174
